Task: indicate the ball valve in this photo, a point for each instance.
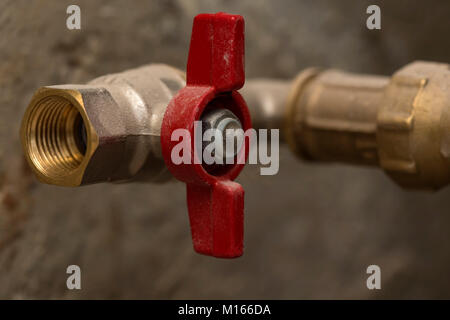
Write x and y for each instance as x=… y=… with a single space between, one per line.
x=119 y=128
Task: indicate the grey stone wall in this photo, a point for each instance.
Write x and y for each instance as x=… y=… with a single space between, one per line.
x=311 y=230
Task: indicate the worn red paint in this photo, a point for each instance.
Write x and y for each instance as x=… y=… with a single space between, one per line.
x=215 y=71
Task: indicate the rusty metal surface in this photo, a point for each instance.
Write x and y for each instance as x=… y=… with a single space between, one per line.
x=327 y=227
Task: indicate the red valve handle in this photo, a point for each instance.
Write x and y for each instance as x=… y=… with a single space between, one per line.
x=215 y=70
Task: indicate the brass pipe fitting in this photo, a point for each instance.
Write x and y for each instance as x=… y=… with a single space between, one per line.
x=400 y=123
x=106 y=130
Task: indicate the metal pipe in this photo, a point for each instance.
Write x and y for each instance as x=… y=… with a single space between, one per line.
x=267 y=99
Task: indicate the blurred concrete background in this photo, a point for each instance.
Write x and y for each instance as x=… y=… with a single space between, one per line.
x=311 y=230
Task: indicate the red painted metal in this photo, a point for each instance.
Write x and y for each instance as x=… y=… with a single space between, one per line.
x=215 y=70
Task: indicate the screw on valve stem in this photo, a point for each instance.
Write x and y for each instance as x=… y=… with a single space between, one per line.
x=227 y=134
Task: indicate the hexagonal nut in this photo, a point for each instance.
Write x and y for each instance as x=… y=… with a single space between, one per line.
x=74 y=135
x=413 y=125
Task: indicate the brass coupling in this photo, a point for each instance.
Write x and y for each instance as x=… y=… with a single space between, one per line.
x=400 y=123
x=106 y=130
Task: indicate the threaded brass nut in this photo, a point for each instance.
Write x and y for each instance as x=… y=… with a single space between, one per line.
x=57 y=137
